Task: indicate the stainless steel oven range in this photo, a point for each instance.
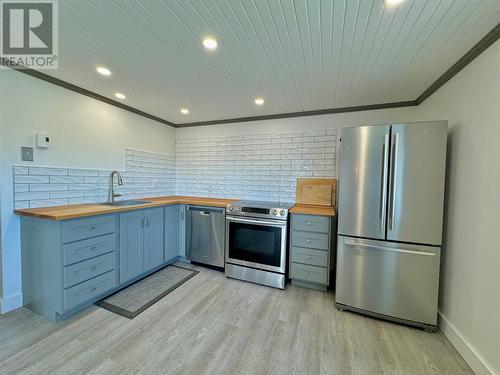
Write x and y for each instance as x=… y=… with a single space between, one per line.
x=256 y=242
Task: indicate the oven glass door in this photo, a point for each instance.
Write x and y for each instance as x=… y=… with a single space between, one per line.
x=256 y=243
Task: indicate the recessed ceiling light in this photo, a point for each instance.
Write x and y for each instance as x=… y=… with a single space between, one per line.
x=392 y=2
x=103 y=71
x=210 y=43
x=259 y=101
x=185 y=111
x=119 y=95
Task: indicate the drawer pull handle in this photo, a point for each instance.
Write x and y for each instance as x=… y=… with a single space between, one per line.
x=93 y=248
x=308 y=257
x=308 y=241
x=92 y=228
x=308 y=223
x=93 y=288
x=308 y=273
x=94 y=268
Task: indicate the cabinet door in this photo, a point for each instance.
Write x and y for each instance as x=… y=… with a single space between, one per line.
x=172 y=221
x=131 y=245
x=153 y=238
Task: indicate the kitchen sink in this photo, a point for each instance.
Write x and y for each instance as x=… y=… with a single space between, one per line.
x=125 y=203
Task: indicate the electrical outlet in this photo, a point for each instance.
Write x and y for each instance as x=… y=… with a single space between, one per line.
x=27 y=153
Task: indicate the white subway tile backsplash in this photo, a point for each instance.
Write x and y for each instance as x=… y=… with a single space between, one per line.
x=48 y=203
x=257 y=166
x=31 y=195
x=84 y=172
x=21 y=188
x=22 y=179
x=148 y=174
x=43 y=171
x=21 y=204
x=18 y=170
x=83 y=186
x=96 y=180
x=66 y=180
x=251 y=167
x=48 y=187
x=82 y=200
x=66 y=194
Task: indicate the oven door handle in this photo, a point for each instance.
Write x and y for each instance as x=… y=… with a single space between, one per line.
x=273 y=223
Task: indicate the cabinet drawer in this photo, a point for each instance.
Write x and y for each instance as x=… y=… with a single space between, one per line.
x=309 y=256
x=310 y=240
x=89 y=289
x=312 y=223
x=81 y=229
x=86 y=249
x=318 y=275
x=88 y=269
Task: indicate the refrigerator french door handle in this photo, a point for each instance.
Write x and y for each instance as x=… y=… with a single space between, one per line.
x=395 y=250
x=383 y=182
x=393 y=181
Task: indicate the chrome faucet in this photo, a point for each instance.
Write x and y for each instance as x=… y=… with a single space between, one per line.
x=112 y=194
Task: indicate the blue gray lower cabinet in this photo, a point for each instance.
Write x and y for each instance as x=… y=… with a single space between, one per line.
x=68 y=265
x=131 y=245
x=311 y=250
x=141 y=242
x=154 y=238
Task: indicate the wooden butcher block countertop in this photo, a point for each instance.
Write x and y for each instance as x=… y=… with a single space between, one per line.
x=310 y=209
x=83 y=210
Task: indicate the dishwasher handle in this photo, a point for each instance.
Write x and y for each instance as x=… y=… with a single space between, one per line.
x=205 y=211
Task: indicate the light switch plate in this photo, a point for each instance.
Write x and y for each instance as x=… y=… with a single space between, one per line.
x=27 y=153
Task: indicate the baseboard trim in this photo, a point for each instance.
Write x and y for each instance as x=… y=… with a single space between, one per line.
x=11 y=302
x=469 y=353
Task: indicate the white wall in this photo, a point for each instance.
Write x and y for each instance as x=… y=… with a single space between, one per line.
x=470 y=283
x=87 y=134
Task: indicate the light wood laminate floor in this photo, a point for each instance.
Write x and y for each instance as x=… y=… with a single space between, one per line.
x=214 y=325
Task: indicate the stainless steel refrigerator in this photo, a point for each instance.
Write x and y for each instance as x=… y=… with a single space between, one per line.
x=391 y=195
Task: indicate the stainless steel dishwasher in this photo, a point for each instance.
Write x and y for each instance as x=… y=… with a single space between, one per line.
x=205 y=235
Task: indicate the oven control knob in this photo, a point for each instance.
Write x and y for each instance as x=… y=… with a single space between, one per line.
x=274 y=212
x=230 y=208
x=282 y=212
x=236 y=209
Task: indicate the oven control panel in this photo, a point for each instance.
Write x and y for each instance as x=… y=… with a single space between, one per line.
x=255 y=210
x=267 y=212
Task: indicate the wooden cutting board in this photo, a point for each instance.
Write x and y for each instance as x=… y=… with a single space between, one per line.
x=316 y=191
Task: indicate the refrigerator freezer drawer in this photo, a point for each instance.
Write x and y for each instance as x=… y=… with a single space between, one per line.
x=392 y=279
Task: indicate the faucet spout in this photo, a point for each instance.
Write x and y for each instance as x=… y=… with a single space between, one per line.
x=112 y=195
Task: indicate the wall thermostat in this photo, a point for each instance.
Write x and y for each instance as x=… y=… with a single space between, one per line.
x=43 y=140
